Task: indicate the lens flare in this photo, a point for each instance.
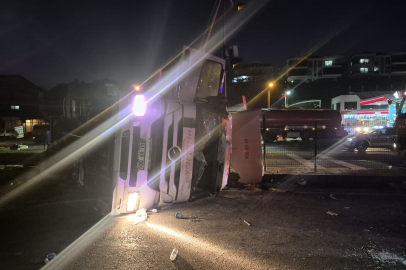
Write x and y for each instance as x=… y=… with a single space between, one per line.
x=140 y=105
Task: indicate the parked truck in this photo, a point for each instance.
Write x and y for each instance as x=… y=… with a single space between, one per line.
x=298 y=123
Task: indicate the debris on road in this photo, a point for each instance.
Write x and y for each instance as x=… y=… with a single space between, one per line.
x=332 y=197
x=177 y=215
x=140 y=215
x=366 y=230
x=193 y=219
x=331 y=213
x=50 y=257
x=257 y=189
x=167 y=207
x=154 y=210
x=174 y=255
x=246 y=222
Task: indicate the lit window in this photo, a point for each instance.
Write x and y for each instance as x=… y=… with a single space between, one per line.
x=15 y=107
x=328 y=63
x=243 y=79
x=376 y=69
x=364 y=70
x=362 y=61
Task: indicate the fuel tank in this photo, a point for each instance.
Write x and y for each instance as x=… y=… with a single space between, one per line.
x=278 y=118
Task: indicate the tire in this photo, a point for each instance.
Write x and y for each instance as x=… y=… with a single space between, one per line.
x=362 y=146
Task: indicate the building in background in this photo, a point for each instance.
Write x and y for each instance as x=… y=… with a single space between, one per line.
x=369 y=109
x=324 y=78
x=377 y=64
x=305 y=69
x=19 y=103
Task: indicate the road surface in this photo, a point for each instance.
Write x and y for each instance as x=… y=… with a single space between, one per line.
x=298 y=157
x=289 y=231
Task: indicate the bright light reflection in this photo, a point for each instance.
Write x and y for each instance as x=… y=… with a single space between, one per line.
x=140 y=105
x=163 y=229
x=132 y=201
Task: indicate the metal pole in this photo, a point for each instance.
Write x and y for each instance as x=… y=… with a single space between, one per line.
x=315 y=146
x=263 y=139
x=269 y=98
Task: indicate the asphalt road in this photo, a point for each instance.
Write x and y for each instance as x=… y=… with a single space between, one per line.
x=296 y=156
x=289 y=231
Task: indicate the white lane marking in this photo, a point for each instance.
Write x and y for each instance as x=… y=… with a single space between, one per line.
x=343 y=163
x=305 y=162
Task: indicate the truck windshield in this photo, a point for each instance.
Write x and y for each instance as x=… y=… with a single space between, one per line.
x=209 y=81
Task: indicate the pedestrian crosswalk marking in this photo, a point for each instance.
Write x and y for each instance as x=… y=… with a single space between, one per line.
x=342 y=163
x=305 y=162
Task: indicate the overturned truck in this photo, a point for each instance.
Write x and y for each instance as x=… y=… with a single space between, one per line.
x=173 y=137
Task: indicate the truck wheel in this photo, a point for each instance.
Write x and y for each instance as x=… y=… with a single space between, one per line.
x=362 y=146
x=305 y=136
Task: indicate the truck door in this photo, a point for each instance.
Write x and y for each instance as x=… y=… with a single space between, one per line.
x=177 y=158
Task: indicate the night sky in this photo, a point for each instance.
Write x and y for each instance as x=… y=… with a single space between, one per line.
x=60 y=41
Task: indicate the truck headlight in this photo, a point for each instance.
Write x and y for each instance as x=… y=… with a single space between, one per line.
x=366 y=129
x=358 y=129
x=133 y=201
x=140 y=105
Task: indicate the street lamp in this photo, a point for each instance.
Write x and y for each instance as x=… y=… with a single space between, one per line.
x=269 y=94
x=287 y=93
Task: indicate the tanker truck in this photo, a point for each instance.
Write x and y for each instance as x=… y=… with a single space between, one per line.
x=296 y=123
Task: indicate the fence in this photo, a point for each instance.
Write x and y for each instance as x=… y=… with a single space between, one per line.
x=357 y=153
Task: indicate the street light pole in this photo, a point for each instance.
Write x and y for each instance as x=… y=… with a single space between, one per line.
x=269 y=98
x=287 y=93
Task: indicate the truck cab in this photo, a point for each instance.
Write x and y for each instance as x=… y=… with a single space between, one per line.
x=172 y=140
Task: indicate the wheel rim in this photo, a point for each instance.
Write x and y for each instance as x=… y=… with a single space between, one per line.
x=362 y=147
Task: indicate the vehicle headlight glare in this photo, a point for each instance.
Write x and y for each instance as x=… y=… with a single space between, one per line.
x=139 y=106
x=132 y=201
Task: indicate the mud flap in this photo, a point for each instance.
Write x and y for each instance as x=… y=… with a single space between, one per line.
x=246 y=150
